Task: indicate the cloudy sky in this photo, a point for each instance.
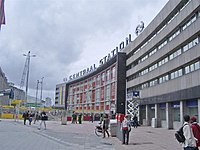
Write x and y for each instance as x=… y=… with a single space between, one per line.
x=66 y=36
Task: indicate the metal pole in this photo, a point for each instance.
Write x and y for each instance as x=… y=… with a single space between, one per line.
x=27 y=75
x=41 y=88
x=36 y=92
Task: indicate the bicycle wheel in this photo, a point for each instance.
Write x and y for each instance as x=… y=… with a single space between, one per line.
x=96 y=131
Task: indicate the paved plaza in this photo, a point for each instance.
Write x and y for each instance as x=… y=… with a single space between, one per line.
x=16 y=136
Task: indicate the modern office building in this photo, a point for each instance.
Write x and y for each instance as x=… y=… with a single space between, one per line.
x=100 y=91
x=163 y=64
x=60 y=98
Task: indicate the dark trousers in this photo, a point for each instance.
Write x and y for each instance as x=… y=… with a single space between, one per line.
x=189 y=148
x=24 y=121
x=125 y=137
x=105 y=131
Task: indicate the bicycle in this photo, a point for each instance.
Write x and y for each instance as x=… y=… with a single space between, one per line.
x=98 y=130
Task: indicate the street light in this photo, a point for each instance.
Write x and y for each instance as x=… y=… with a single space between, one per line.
x=41 y=88
x=27 y=75
x=37 y=92
x=39 y=82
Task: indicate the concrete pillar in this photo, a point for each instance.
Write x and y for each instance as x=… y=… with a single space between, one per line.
x=182 y=111
x=198 y=110
x=139 y=117
x=169 y=116
x=148 y=118
x=157 y=115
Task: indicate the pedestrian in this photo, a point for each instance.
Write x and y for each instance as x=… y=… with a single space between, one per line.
x=80 y=118
x=44 y=118
x=30 y=117
x=25 y=116
x=91 y=117
x=190 y=140
x=74 y=117
x=105 y=125
x=37 y=117
x=101 y=119
x=125 y=127
x=135 y=121
x=196 y=131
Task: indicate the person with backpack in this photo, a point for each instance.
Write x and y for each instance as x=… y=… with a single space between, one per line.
x=126 y=128
x=190 y=140
x=196 y=131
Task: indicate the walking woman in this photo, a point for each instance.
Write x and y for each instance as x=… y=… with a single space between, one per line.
x=105 y=125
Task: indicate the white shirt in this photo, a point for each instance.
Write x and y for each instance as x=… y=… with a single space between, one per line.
x=190 y=140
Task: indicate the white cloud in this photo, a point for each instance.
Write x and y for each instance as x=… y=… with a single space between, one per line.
x=66 y=35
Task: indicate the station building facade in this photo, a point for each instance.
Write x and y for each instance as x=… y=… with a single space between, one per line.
x=100 y=91
x=163 y=64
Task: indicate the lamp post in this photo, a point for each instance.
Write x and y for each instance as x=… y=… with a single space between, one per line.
x=41 y=88
x=37 y=92
x=27 y=75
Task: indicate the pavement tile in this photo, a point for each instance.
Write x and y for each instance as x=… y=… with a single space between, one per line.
x=16 y=136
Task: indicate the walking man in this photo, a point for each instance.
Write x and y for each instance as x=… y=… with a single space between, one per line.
x=44 y=118
x=190 y=140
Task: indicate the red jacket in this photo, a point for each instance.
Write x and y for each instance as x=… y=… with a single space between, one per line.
x=196 y=132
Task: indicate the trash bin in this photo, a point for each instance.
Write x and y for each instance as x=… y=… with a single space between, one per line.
x=64 y=118
x=154 y=122
x=113 y=127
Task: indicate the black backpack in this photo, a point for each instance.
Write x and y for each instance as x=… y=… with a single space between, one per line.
x=179 y=135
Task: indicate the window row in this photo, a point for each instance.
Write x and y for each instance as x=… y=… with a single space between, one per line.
x=175 y=54
x=161 y=28
x=176 y=33
x=100 y=79
x=170 y=76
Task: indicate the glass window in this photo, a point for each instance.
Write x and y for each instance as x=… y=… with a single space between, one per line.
x=160 y=63
x=179 y=52
x=194 y=18
x=192 y=67
x=175 y=74
x=190 y=45
x=187 y=70
x=167 y=77
x=170 y=38
x=189 y=23
x=184 y=27
x=160 y=80
x=196 y=65
x=172 y=75
x=166 y=59
x=180 y=73
x=178 y=32
x=195 y=41
x=185 y=48
x=171 y=57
